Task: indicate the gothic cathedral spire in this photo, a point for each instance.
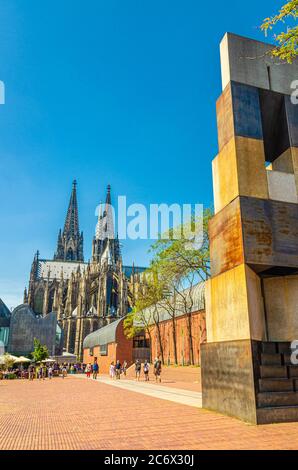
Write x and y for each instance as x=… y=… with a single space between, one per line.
x=105 y=243
x=70 y=241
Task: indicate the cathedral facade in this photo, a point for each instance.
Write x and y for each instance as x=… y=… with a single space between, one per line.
x=85 y=295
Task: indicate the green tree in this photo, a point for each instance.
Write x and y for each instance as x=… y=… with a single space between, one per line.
x=138 y=321
x=146 y=312
x=8 y=361
x=178 y=263
x=287 y=38
x=40 y=352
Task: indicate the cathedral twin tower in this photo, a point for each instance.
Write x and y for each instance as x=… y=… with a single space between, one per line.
x=70 y=242
x=85 y=296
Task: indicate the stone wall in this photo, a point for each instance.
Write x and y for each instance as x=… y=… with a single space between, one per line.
x=198 y=334
x=25 y=326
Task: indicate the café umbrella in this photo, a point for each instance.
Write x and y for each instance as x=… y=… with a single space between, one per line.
x=21 y=360
x=8 y=356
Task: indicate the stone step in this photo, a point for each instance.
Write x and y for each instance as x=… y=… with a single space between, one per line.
x=281 y=414
x=287 y=359
x=269 y=348
x=274 y=399
x=293 y=371
x=274 y=372
x=276 y=385
x=270 y=359
x=284 y=347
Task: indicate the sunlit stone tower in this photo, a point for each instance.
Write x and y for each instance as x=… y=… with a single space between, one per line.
x=252 y=296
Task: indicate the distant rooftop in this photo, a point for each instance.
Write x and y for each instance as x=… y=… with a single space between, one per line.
x=4 y=315
x=4 y=310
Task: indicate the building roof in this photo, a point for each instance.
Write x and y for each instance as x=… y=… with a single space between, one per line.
x=55 y=268
x=191 y=299
x=4 y=310
x=103 y=336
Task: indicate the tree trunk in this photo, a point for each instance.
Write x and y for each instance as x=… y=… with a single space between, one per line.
x=191 y=352
x=175 y=341
x=150 y=344
x=160 y=342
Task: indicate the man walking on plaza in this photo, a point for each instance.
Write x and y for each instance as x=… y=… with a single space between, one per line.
x=118 y=369
x=157 y=369
x=138 y=367
x=95 y=370
x=146 y=371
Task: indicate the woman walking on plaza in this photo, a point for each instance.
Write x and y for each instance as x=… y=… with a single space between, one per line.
x=124 y=368
x=112 y=370
x=88 y=370
x=146 y=370
x=157 y=369
x=31 y=372
x=39 y=372
x=50 y=372
x=64 y=372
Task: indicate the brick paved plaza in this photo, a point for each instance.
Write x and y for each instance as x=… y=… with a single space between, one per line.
x=82 y=414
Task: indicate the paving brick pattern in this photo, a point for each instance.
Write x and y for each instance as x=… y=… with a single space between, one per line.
x=82 y=414
x=188 y=378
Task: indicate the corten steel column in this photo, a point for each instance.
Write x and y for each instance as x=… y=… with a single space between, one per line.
x=252 y=296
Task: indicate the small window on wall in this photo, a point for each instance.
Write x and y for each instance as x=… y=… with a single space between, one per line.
x=103 y=350
x=91 y=352
x=140 y=342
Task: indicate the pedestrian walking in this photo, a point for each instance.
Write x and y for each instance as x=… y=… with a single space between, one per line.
x=118 y=370
x=146 y=370
x=124 y=368
x=138 y=368
x=64 y=372
x=95 y=370
x=157 y=369
x=88 y=370
x=112 y=370
x=31 y=372
x=39 y=372
x=50 y=372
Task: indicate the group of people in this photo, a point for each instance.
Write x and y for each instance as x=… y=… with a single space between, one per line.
x=117 y=369
x=94 y=368
x=44 y=371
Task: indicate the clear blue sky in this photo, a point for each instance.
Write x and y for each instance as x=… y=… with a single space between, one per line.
x=115 y=91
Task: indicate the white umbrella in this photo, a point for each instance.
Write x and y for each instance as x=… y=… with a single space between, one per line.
x=5 y=356
x=22 y=359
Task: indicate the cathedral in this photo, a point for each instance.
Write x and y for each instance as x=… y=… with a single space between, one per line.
x=85 y=295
